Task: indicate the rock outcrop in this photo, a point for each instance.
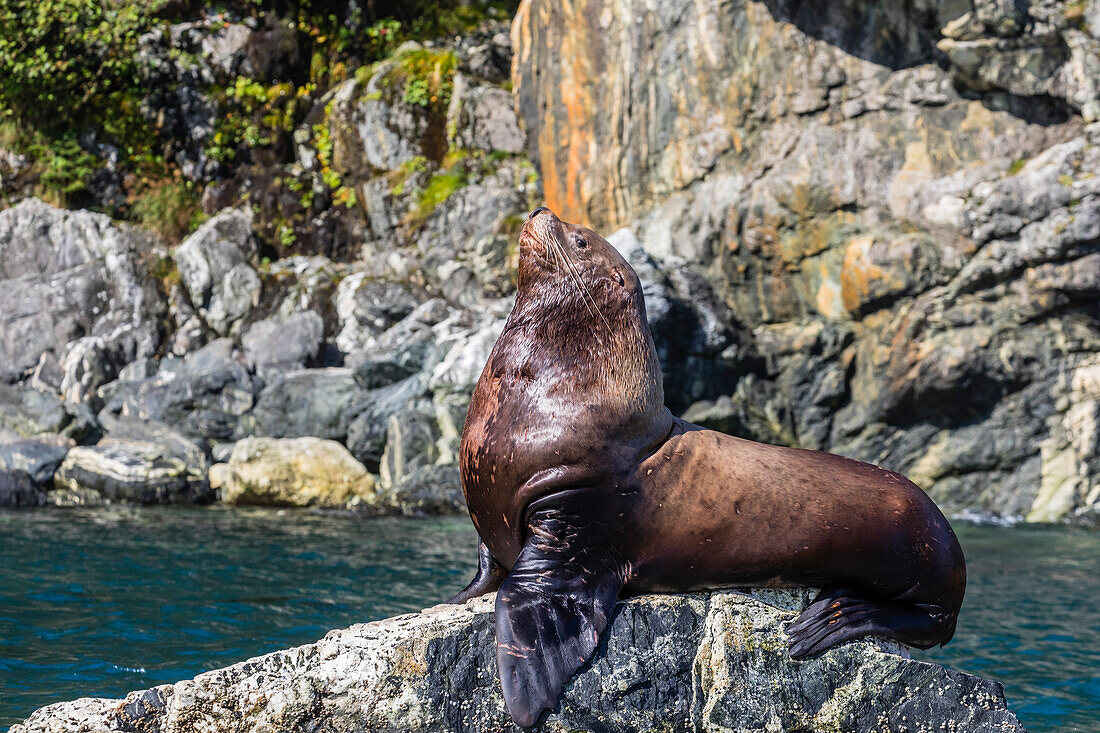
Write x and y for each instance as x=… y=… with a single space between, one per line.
x=292 y=472
x=896 y=205
x=870 y=228
x=72 y=281
x=714 y=662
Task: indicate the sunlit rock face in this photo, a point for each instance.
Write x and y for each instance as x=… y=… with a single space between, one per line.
x=709 y=662
x=896 y=202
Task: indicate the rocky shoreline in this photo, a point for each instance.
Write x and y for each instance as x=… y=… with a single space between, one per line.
x=704 y=662
x=894 y=258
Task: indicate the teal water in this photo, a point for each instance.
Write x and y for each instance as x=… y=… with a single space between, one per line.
x=103 y=601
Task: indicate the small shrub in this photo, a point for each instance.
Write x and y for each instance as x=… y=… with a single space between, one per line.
x=169 y=207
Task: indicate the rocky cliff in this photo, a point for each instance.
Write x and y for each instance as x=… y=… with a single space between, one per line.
x=712 y=662
x=896 y=203
x=872 y=228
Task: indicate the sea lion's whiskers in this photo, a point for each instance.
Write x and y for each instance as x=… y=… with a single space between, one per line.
x=571 y=274
x=586 y=294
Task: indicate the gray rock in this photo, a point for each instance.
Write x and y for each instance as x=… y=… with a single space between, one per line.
x=127 y=470
x=214 y=264
x=225 y=47
x=28 y=412
x=709 y=662
x=367 y=306
x=171 y=441
x=38 y=458
x=480 y=209
x=368 y=416
x=483 y=117
x=486 y=52
x=306 y=402
x=283 y=343
x=88 y=364
x=390 y=130
x=408 y=347
x=416 y=478
x=48 y=375
x=203 y=395
x=18 y=489
x=67 y=274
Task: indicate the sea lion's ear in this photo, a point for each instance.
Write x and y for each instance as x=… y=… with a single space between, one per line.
x=551 y=611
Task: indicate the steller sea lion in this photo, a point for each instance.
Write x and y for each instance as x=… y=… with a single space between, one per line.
x=584 y=488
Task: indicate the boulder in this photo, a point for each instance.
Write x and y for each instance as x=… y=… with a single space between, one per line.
x=38 y=457
x=18 y=489
x=128 y=470
x=419 y=470
x=292 y=472
x=304 y=402
x=707 y=662
x=483 y=117
x=29 y=412
x=367 y=306
x=173 y=442
x=215 y=266
x=202 y=395
x=282 y=343
x=369 y=415
x=71 y=274
x=404 y=349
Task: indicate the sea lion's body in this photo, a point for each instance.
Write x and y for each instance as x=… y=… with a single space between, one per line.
x=584 y=488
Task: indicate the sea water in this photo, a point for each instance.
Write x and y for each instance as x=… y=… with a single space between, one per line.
x=98 y=602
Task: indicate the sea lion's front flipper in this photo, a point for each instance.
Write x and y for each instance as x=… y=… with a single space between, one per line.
x=551 y=610
x=490 y=574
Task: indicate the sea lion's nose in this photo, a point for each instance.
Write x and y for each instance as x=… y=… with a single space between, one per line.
x=536 y=212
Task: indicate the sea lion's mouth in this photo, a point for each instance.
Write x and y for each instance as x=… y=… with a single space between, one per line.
x=536 y=231
x=528 y=240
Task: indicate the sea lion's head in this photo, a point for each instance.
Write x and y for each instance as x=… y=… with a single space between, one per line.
x=580 y=265
x=584 y=306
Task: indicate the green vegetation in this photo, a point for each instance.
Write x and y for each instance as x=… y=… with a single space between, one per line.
x=1016 y=166
x=76 y=86
x=439 y=189
x=169 y=207
x=72 y=61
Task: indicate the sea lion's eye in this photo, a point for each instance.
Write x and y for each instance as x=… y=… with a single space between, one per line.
x=619 y=279
x=580 y=241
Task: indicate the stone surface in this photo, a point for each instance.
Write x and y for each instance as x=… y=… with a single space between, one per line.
x=283 y=343
x=303 y=402
x=483 y=118
x=710 y=662
x=889 y=249
x=203 y=395
x=30 y=412
x=214 y=264
x=18 y=489
x=37 y=457
x=292 y=472
x=128 y=470
x=70 y=274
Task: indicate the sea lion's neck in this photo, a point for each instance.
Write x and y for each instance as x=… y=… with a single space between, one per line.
x=610 y=352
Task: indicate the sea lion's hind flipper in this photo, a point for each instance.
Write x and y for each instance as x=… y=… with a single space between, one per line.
x=550 y=613
x=837 y=616
x=490 y=574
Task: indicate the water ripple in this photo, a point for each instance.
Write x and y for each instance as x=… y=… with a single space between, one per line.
x=103 y=601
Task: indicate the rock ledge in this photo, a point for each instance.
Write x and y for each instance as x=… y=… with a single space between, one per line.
x=705 y=662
